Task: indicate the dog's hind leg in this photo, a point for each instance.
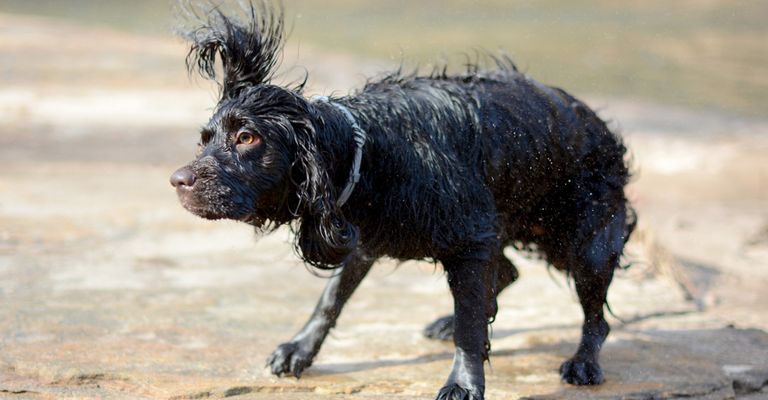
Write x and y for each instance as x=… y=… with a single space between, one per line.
x=470 y=278
x=443 y=327
x=592 y=271
x=295 y=356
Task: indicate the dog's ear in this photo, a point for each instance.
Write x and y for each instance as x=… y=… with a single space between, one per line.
x=325 y=238
x=249 y=46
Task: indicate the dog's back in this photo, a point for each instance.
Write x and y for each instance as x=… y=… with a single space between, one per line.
x=496 y=140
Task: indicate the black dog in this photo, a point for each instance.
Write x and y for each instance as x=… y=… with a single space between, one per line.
x=450 y=168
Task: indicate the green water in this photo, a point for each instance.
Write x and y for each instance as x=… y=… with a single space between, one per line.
x=711 y=54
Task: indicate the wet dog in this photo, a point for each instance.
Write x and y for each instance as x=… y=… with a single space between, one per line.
x=450 y=168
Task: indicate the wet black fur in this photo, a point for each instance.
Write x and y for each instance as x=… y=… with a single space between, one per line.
x=456 y=167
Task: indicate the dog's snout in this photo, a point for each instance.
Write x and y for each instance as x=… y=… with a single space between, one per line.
x=183 y=177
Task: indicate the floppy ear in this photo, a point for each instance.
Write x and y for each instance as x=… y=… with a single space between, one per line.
x=325 y=238
x=249 y=50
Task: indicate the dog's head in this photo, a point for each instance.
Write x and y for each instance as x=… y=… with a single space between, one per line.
x=258 y=158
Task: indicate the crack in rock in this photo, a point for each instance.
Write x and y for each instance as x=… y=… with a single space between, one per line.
x=88 y=379
x=193 y=396
x=15 y=392
x=243 y=390
x=237 y=391
x=746 y=379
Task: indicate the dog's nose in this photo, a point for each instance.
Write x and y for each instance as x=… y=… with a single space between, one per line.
x=183 y=177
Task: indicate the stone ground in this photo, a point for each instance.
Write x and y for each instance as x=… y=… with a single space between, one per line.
x=109 y=289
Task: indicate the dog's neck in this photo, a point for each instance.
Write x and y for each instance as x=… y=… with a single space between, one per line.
x=359 y=137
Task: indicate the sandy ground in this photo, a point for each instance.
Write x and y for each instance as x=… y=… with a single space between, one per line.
x=109 y=289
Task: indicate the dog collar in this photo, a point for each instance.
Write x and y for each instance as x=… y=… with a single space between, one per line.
x=360 y=138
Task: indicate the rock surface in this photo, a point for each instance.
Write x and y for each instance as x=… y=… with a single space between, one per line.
x=109 y=289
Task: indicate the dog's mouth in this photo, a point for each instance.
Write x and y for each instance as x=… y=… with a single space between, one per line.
x=253 y=219
x=192 y=204
x=215 y=206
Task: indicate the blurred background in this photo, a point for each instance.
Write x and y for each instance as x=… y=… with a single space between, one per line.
x=710 y=54
x=109 y=289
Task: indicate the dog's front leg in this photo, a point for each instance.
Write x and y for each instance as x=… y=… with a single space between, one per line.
x=468 y=280
x=295 y=356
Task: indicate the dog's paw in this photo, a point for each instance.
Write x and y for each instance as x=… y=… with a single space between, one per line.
x=441 y=329
x=581 y=372
x=289 y=359
x=456 y=392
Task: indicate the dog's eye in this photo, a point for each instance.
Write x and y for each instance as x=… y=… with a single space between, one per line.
x=248 y=139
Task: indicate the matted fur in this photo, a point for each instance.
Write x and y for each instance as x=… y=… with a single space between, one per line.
x=455 y=168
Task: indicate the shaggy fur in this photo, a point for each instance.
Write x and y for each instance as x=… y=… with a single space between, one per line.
x=455 y=168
